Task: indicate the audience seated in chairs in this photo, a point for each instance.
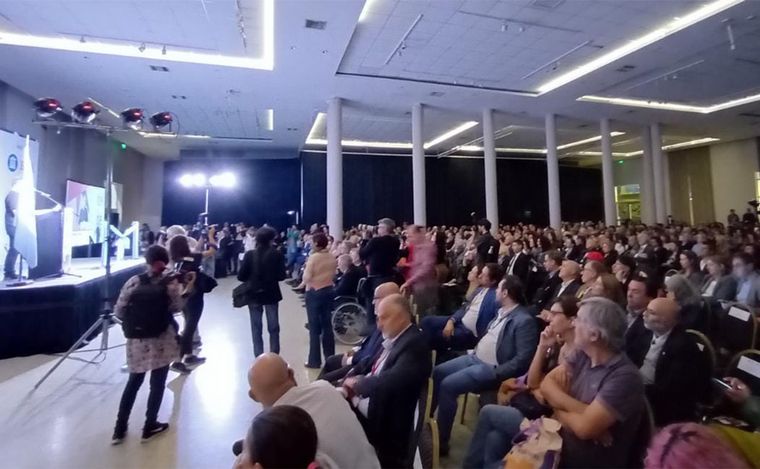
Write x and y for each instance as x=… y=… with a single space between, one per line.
x=546 y=292
x=674 y=371
x=504 y=351
x=337 y=366
x=341 y=439
x=282 y=436
x=717 y=285
x=693 y=312
x=570 y=274
x=591 y=271
x=607 y=286
x=350 y=275
x=748 y=280
x=597 y=395
x=519 y=263
x=384 y=389
x=641 y=291
x=467 y=325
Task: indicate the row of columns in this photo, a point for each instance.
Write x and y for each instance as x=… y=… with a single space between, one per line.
x=655 y=181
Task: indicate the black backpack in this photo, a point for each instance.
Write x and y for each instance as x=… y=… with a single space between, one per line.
x=147 y=313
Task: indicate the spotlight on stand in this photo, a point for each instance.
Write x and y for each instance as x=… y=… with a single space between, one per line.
x=160 y=120
x=133 y=118
x=47 y=107
x=84 y=112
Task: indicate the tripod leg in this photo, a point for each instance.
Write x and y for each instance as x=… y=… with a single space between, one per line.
x=76 y=345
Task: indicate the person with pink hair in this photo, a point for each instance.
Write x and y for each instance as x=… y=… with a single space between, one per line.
x=690 y=445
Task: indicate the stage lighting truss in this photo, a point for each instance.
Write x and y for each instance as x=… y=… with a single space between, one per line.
x=133 y=118
x=47 y=107
x=160 y=120
x=84 y=112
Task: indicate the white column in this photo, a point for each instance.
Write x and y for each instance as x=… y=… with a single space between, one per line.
x=335 y=168
x=418 y=166
x=552 y=173
x=608 y=182
x=647 y=185
x=666 y=178
x=489 y=157
x=657 y=173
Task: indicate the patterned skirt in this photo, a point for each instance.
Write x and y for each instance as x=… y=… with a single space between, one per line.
x=144 y=355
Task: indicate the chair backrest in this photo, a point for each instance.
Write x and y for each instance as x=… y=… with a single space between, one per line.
x=706 y=347
x=644 y=434
x=738 y=328
x=746 y=366
x=420 y=417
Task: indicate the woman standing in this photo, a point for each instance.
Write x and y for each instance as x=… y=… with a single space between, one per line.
x=318 y=279
x=263 y=269
x=146 y=351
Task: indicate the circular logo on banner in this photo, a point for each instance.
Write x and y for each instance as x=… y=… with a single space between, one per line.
x=12 y=163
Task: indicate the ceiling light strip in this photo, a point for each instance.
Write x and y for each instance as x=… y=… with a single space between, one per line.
x=667 y=106
x=587 y=140
x=451 y=133
x=365 y=10
x=640 y=42
x=133 y=50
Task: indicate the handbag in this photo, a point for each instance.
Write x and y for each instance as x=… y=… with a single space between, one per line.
x=537 y=446
x=248 y=291
x=529 y=406
x=241 y=295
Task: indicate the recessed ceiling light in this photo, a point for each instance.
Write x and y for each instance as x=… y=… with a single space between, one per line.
x=640 y=42
x=315 y=24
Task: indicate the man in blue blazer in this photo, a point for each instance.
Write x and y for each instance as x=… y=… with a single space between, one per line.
x=463 y=329
x=504 y=351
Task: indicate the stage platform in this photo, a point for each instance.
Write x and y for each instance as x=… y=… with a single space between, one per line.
x=49 y=315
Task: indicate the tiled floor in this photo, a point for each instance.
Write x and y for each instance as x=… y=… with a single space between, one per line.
x=67 y=422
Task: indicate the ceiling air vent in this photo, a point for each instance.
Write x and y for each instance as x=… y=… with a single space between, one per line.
x=159 y=68
x=436 y=94
x=625 y=68
x=314 y=24
x=546 y=4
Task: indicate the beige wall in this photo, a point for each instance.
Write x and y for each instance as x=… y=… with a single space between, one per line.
x=691 y=167
x=733 y=175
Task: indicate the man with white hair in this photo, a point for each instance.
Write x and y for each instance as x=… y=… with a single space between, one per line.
x=349 y=277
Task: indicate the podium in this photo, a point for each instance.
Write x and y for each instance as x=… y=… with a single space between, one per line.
x=49 y=245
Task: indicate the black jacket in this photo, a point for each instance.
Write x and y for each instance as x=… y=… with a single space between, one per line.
x=487 y=249
x=381 y=254
x=681 y=377
x=547 y=291
x=393 y=394
x=571 y=289
x=349 y=281
x=265 y=270
x=520 y=264
x=637 y=340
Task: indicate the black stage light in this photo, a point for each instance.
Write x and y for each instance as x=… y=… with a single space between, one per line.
x=161 y=119
x=133 y=117
x=47 y=107
x=84 y=112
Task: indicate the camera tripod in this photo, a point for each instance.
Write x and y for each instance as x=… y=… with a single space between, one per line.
x=104 y=322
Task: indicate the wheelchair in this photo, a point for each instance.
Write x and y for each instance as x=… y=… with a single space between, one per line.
x=349 y=318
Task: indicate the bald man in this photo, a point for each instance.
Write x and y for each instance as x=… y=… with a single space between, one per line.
x=675 y=371
x=342 y=442
x=337 y=366
x=385 y=389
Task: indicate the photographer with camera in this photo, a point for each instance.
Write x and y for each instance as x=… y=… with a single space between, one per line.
x=184 y=263
x=145 y=306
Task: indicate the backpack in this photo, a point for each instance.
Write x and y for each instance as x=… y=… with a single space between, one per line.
x=147 y=313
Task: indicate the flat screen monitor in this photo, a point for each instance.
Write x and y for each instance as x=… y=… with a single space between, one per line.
x=88 y=204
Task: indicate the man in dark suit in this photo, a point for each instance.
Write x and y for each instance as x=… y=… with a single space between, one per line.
x=384 y=389
x=675 y=374
x=641 y=291
x=381 y=255
x=570 y=275
x=552 y=264
x=520 y=261
x=463 y=329
x=350 y=275
x=486 y=246
x=337 y=366
x=505 y=351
